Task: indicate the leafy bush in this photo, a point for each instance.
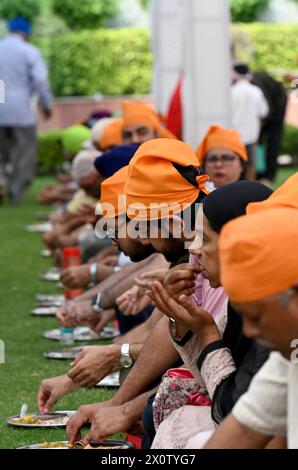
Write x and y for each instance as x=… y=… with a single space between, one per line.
x=113 y=62
x=27 y=8
x=246 y=11
x=119 y=61
x=290 y=141
x=275 y=46
x=86 y=14
x=49 y=151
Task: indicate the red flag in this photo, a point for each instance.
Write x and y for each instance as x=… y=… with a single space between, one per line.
x=174 y=120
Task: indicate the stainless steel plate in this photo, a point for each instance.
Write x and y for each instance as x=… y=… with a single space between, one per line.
x=83 y=333
x=46 y=254
x=39 y=228
x=53 y=299
x=67 y=353
x=112 y=380
x=48 y=420
x=44 y=311
x=52 y=275
x=48 y=445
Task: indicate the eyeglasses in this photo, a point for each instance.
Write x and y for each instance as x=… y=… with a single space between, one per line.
x=112 y=231
x=223 y=159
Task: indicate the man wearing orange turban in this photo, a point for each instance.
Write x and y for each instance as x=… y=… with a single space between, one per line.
x=259 y=271
x=164 y=180
x=223 y=155
x=111 y=135
x=141 y=123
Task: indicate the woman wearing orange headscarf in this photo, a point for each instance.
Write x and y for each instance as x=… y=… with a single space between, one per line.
x=223 y=155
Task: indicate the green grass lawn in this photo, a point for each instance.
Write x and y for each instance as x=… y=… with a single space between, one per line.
x=25 y=367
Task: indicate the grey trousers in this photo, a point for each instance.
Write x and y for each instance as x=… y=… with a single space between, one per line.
x=18 y=147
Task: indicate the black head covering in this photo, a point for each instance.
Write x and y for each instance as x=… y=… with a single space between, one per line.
x=230 y=201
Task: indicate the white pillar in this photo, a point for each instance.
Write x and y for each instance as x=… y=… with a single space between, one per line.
x=206 y=91
x=167 y=46
x=192 y=36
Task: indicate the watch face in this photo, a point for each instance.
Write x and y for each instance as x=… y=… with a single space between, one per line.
x=126 y=361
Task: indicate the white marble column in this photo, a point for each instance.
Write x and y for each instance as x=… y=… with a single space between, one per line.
x=192 y=36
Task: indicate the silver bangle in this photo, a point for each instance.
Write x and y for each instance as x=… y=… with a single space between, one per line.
x=93 y=273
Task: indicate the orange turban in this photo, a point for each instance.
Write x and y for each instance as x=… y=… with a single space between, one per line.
x=285 y=196
x=154 y=180
x=112 y=198
x=112 y=134
x=136 y=113
x=218 y=136
x=258 y=254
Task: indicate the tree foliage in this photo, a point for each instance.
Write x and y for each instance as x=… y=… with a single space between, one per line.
x=86 y=14
x=247 y=11
x=27 y=8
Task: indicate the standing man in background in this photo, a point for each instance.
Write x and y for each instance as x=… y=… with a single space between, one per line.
x=23 y=73
x=249 y=108
x=271 y=135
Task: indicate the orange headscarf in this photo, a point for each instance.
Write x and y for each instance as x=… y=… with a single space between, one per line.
x=136 y=113
x=218 y=136
x=112 y=197
x=154 y=180
x=112 y=134
x=258 y=254
x=286 y=196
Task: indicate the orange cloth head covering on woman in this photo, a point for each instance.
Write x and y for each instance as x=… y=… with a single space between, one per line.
x=286 y=196
x=136 y=113
x=155 y=178
x=112 y=134
x=218 y=136
x=258 y=254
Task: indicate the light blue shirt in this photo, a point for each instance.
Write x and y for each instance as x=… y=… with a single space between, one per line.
x=23 y=72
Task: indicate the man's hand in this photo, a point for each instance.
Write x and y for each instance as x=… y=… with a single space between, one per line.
x=84 y=415
x=75 y=313
x=47 y=113
x=110 y=420
x=98 y=323
x=154 y=275
x=52 y=389
x=133 y=301
x=110 y=260
x=75 y=276
x=93 y=364
x=86 y=210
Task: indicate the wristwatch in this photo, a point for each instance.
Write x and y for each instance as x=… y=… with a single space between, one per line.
x=93 y=273
x=172 y=327
x=95 y=303
x=126 y=360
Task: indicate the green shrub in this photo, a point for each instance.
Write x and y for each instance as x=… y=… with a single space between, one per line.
x=113 y=62
x=27 y=8
x=86 y=14
x=49 y=151
x=275 y=46
x=119 y=61
x=290 y=141
x=247 y=11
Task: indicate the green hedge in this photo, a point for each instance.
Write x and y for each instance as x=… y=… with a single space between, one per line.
x=290 y=141
x=49 y=151
x=119 y=61
x=112 y=61
x=275 y=46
